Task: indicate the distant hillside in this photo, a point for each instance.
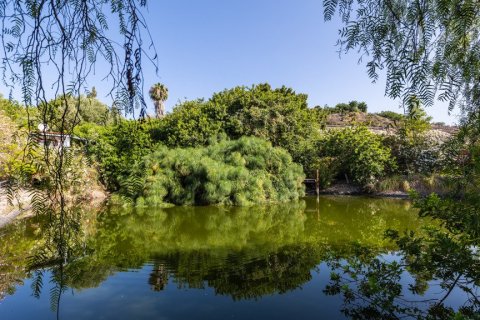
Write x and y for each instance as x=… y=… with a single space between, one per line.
x=369 y=119
x=375 y=121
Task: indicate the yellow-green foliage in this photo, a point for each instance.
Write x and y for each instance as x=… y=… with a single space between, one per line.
x=16 y=112
x=66 y=113
x=18 y=244
x=360 y=154
x=240 y=172
x=11 y=146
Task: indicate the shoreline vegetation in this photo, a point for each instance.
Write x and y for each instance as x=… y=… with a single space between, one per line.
x=243 y=146
x=22 y=209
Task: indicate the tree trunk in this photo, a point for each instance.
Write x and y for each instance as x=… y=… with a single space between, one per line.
x=159 y=109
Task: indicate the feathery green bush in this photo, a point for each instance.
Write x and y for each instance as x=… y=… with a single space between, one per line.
x=241 y=172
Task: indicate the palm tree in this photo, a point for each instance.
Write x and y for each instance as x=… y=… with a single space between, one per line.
x=159 y=94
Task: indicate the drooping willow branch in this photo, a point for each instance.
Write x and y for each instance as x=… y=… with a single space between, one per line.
x=67 y=39
x=50 y=49
x=427 y=48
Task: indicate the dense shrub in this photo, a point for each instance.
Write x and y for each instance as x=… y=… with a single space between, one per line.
x=328 y=169
x=359 y=153
x=415 y=150
x=191 y=124
x=461 y=157
x=308 y=151
x=11 y=146
x=15 y=111
x=241 y=172
x=16 y=165
x=420 y=155
x=117 y=148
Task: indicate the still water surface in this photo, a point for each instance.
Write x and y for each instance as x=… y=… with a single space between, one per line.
x=270 y=262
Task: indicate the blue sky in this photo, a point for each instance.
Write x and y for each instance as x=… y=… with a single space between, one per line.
x=209 y=45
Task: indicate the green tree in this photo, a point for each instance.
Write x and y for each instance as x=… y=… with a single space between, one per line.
x=191 y=124
x=414 y=150
x=361 y=106
x=116 y=148
x=397 y=117
x=352 y=106
x=93 y=93
x=279 y=115
x=74 y=111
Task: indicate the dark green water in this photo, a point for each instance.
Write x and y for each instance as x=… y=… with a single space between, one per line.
x=272 y=262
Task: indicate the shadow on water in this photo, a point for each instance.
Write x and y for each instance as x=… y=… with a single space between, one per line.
x=246 y=254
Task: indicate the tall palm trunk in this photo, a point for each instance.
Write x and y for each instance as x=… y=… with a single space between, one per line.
x=159 y=109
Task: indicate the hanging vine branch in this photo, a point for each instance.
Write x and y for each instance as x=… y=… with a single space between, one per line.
x=50 y=50
x=71 y=37
x=428 y=48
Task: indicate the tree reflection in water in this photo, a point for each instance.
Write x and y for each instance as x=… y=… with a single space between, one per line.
x=158 y=278
x=248 y=253
x=375 y=288
x=62 y=244
x=445 y=254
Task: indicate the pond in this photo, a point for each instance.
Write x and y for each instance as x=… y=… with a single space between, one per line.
x=305 y=260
